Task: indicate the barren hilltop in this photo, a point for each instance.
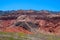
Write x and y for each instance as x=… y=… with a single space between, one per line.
x=30 y=21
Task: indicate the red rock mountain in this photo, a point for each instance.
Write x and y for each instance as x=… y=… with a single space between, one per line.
x=30 y=21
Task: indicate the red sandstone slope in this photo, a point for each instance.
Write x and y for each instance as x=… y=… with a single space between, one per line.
x=17 y=29
x=6 y=28
x=50 y=26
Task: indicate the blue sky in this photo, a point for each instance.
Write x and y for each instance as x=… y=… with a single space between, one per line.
x=53 y=5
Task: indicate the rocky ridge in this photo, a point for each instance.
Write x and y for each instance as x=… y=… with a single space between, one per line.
x=30 y=21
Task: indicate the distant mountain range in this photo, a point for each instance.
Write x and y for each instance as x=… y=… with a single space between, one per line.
x=14 y=14
x=24 y=11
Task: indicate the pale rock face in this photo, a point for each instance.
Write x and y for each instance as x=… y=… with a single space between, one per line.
x=42 y=22
x=23 y=18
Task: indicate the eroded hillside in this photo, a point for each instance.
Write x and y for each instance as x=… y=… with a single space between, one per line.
x=30 y=22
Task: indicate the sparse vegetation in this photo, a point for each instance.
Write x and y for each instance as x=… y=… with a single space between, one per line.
x=22 y=36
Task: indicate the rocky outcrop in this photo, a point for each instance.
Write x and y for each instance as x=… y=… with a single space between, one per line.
x=50 y=25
